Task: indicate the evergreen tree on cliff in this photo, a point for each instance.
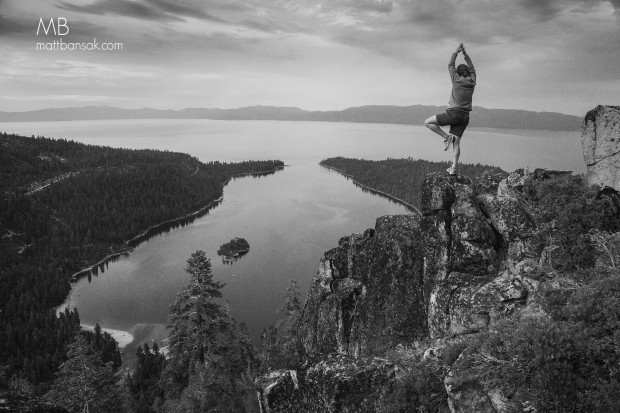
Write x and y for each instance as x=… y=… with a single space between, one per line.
x=280 y=342
x=210 y=356
x=144 y=383
x=84 y=382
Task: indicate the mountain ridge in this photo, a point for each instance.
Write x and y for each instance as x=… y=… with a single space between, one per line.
x=389 y=114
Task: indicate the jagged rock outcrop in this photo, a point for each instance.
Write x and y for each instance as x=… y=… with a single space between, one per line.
x=332 y=383
x=368 y=294
x=483 y=249
x=467 y=262
x=600 y=138
x=466 y=393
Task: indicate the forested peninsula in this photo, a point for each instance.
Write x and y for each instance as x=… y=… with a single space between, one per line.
x=401 y=179
x=63 y=207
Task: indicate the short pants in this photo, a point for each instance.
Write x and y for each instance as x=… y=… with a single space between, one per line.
x=457 y=119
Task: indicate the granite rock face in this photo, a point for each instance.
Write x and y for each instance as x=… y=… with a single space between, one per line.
x=600 y=138
x=466 y=393
x=458 y=269
x=368 y=294
x=480 y=250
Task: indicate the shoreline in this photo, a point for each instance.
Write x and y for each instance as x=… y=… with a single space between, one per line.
x=373 y=190
x=122 y=337
x=143 y=236
x=146 y=233
x=77 y=275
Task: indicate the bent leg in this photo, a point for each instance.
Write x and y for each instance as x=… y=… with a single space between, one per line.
x=433 y=125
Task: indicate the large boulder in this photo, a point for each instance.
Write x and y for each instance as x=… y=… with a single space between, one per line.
x=331 y=384
x=465 y=303
x=462 y=256
x=600 y=138
x=468 y=392
x=508 y=216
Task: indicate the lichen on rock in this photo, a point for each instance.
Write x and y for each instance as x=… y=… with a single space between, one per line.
x=600 y=138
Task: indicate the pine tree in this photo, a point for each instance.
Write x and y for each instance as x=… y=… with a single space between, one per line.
x=281 y=349
x=209 y=355
x=84 y=382
x=143 y=384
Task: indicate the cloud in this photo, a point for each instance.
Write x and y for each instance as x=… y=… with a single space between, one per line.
x=544 y=9
x=379 y=6
x=8 y=26
x=158 y=10
x=523 y=45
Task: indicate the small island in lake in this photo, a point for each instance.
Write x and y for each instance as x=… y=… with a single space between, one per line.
x=234 y=249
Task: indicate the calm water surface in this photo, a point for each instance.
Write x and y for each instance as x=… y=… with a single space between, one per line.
x=290 y=218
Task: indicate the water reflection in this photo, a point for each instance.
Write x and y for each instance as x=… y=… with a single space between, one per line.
x=230 y=260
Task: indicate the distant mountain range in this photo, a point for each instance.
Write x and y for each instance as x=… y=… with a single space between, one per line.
x=408 y=115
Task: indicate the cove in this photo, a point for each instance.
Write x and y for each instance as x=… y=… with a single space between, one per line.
x=289 y=218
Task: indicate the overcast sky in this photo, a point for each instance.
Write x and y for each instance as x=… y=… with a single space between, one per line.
x=540 y=55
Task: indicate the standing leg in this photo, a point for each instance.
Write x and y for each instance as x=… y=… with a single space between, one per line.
x=457 y=151
x=457 y=130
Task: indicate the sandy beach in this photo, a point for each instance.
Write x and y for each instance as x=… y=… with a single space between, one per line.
x=122 y=337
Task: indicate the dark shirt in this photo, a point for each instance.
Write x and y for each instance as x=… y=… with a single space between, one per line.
x=462 y=87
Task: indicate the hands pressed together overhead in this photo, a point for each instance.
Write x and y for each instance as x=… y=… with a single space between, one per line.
x=461 y=48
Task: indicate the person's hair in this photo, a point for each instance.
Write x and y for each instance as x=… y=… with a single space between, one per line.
x=463 y=70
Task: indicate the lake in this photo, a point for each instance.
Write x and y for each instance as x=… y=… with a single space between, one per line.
x=290 y=218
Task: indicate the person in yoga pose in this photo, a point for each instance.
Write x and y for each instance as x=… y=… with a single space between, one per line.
x=457 y=114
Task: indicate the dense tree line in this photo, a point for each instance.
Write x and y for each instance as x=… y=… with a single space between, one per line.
x=144 y=383
x=98 y=198
x=234 y=247
x=401 y=178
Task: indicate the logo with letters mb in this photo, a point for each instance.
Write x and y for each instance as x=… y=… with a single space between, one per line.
x=58 y=28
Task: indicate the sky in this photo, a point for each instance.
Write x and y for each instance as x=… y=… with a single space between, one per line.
x=540 y=55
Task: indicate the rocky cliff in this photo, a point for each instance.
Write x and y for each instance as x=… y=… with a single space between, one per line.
x=600 y=138
x=422 y=285
x=368 y=295
x=470 y=259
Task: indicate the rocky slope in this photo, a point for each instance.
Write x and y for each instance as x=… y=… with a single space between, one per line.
x=474 y=258
x=469 y=260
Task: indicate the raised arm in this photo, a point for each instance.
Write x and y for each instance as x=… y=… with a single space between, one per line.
x=452 y=63
x=472 y=70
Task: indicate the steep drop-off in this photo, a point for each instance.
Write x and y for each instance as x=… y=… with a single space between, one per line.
x=470 y=259
x=478 y=255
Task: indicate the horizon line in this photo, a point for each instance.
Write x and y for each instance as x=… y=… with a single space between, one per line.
x=272 y=106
